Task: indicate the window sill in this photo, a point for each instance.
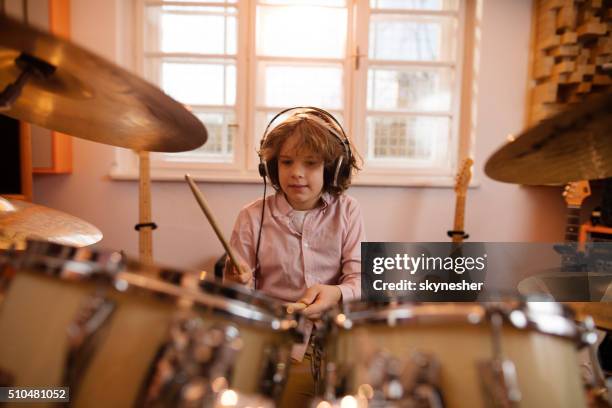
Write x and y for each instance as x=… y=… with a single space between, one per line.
x=252 y=177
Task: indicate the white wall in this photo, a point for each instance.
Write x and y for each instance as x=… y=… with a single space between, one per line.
x=495 y=211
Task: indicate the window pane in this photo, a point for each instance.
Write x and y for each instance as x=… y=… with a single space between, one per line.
x=195 y=83
x=416 y=138
x=291 y=85
x=301 y=31
x=219 y=147
x=415 y=4
x=410 y=88
x=395 y=37
x=220 y=141
x=192 y=29
x=263 y=118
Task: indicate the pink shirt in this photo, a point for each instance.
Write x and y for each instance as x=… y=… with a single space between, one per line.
x=327 y=251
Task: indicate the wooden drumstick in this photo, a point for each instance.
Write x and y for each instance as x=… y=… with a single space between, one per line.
x=295 y=307
x=211 y=219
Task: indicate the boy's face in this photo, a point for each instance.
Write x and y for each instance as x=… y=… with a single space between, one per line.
x=300 y=174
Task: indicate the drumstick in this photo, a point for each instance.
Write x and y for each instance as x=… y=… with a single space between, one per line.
x=295 y=307
x=211 y=219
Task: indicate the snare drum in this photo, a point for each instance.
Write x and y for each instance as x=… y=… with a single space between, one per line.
x=505 y=354
x=119 y=337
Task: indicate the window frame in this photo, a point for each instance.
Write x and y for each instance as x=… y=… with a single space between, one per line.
x=355 y=81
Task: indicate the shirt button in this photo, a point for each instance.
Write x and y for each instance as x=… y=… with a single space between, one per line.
x=306 y=244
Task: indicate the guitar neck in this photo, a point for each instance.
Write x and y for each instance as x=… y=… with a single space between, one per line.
x=572 y=224
x=459 y=217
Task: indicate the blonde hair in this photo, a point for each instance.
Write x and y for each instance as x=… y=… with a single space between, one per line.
x=317 y=134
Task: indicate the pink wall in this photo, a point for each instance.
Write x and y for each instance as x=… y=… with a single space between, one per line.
x=495 y=211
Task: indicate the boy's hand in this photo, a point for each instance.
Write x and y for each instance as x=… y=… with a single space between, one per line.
x=319 y=298
x=242 y=274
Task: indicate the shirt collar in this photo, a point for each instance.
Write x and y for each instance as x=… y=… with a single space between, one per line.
x=284 y=208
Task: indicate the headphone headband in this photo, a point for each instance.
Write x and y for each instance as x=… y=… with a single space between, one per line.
x=343 y=138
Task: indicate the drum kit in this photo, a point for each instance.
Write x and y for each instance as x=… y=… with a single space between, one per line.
x=119 y=332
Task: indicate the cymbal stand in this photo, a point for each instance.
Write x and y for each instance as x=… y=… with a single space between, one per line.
x=145 y=226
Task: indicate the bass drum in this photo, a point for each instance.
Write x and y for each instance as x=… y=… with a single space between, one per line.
x=125 y=334
x=505 y=354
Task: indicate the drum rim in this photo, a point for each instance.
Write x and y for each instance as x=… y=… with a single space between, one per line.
x=253 y=314
x=234 y=296
x=545 y=317
x=68 y=262
x=111 y=269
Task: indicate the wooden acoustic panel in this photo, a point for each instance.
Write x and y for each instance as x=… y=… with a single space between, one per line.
x=571 y=54
x=51 y=150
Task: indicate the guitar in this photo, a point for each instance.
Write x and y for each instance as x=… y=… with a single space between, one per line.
x=457 y=234
x=574 y=193
x=462 y=181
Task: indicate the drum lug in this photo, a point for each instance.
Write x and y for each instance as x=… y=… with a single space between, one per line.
x=424 y=385
x=82 y=334
x=499 y=383
x=498 y=375
x=414 y=383
x=194 y=365
x=598 y=391
x=274 y=371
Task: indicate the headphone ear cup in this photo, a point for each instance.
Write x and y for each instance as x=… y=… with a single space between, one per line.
x=262 y=169
x=345 y=170
x=328 y=175
x=337 y=169
x=271 y=168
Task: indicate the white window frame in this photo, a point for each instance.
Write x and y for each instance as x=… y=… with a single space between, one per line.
x=354 y=110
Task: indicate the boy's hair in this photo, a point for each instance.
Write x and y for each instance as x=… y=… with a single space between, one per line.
x=318 y=134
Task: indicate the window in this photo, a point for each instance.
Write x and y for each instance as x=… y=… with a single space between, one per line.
x=389 y=70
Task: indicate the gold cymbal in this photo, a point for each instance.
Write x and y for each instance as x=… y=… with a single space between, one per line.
x=88 y=97
x=573 y=145
x=20 y=220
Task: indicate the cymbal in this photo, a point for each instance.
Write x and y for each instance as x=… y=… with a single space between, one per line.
x=76 y=92
x=20 y=220
x=572 y=145
x=592 y=289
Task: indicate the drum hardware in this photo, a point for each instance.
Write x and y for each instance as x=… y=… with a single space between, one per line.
x=392 y=382
x=233 y=299
x=425 y=386
x=195 y=364
x=498 y=376
x=145 y=224
x=598 y=391
x=514 y=352
x=415 y=382
x=600 y=312
x=128 y=319
x=29 y=66
x=275 y=371
x=83 y=336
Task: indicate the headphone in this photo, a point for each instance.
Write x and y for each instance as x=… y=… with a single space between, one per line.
x=342 y=166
